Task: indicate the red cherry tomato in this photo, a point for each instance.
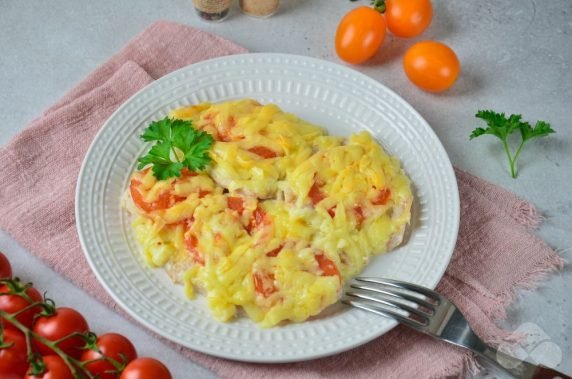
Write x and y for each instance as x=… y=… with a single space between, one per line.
x=360 y=34
x=13 y=359
x=56 y=368
x=63 y=323
x=431 y=66
x=111 y=345
x=15 y=303
x=146 y=368
x=5 y=267
x=408 y=18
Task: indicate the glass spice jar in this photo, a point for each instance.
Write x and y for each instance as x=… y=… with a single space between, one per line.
x=212 y=10
x=259 y=8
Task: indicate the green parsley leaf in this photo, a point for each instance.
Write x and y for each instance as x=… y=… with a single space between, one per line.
x=177 y=145
x=500 y=126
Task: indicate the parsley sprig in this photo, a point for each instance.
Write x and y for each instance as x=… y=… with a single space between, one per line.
x=177 y=146
x=502 y=127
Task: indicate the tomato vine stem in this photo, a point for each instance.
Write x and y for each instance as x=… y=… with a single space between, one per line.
x=78 y=368
x=378 y=5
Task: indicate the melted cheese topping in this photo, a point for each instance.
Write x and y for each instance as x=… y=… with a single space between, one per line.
x=282 y=217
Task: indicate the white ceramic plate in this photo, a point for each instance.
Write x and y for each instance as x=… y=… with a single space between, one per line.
x=329 y=95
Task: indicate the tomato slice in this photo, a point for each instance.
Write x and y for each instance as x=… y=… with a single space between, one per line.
x=327 y=266
x=224 y=136
x=382 y=197
x=315 y=194
x=192 y=243
x=264 y=283
x=138 y=197
x=235 y=203
x=164 y=201
x=203 y=193
x=263 y=152
x=186 y=173
x=332 y=212
x=186 y=222
x=358 y=211
x=258 y=218
x=275 y=252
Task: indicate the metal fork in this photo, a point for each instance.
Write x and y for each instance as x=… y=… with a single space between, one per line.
x=427 y=311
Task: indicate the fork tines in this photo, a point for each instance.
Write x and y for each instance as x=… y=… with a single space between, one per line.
x=407 y=303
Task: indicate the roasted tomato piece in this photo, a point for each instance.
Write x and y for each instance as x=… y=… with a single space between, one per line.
x=258 y=219
x=263 y=152
x=235 y=203
x=192 y=243
x=315 y=194
x=274 y=253
x=327 y=266
x=358 y=211
x=382 y=197
x=264 y=284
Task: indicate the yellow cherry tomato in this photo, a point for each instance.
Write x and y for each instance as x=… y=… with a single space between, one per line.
x=360 y=34
x=408 y=18
x=431 y=66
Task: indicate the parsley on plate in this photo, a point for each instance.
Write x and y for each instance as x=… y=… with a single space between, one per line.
x=177 y=146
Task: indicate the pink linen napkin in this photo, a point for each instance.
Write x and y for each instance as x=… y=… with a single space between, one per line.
x=496 y=252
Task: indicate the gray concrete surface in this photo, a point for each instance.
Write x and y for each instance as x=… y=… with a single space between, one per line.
x=516 y=58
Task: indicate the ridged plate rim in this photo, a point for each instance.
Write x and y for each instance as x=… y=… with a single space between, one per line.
x=108 y=245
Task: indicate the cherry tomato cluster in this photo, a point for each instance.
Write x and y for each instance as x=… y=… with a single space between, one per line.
x=41 y=341
x=430 y=65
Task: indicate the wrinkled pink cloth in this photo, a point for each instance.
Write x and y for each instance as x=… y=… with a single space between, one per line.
x=496 y=252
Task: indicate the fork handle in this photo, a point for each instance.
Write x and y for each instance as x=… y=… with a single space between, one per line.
x=518 y=368
x=543 y=372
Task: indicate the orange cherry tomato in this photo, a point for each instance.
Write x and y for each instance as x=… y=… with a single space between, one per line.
x=408 y=18
x=431 y=66
x=360 y=34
